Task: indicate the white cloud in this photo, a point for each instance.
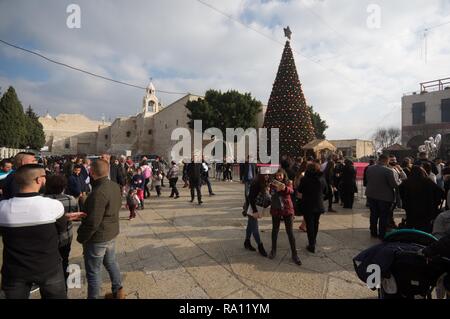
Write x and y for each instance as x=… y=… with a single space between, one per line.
x=186 y=46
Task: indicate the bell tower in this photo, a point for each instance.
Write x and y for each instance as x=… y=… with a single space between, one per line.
x=150 y=103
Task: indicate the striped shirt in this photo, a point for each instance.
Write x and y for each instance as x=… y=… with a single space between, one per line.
x=63 y=225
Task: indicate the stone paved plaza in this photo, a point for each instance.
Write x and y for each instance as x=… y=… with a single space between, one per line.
x=176 y=249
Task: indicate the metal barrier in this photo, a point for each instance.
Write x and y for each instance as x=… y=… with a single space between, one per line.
x=6 y=152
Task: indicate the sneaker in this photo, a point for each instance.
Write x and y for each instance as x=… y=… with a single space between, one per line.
x=331 y=210
x=178 y=196
x=212 y=194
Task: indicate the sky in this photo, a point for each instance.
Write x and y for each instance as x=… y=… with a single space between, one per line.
x=355 y=58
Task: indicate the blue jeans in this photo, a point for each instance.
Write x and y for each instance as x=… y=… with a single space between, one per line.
x=247 y=188
x=379 y=216
x=96 y=254
x=252 y=229
x=208 y=183
x=246 y=193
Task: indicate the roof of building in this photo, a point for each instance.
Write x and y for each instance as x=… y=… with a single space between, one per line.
x=318 y=144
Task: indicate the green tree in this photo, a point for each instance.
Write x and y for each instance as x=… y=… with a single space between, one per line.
x=287 y=109
x=12 y=120
x=319 y=125
x=35 y=137
x=230 y=109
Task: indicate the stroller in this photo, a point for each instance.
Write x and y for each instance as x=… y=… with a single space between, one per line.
x=405 y=273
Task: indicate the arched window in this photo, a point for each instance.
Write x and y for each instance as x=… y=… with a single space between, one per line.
x=128 y=134
x=151 y=106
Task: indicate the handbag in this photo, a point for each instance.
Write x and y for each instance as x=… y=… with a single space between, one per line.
x=263 y=200
x=277 y=202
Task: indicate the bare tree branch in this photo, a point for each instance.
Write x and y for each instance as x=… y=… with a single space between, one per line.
x=385 y=137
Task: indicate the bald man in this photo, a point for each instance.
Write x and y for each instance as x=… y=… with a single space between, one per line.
x=99 y=230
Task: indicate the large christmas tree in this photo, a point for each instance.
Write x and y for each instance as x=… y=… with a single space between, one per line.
x=287 y=109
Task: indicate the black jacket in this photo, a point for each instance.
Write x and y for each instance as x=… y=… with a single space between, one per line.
x=365 y=176
x=75 y=185
x=194 y=172
x=248 y=167
x=10 y=187
x=313 y=188
x=348 y=179
x=116 y=174
x=420 y=199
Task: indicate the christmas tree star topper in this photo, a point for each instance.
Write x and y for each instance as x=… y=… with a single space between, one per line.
x=287 y=32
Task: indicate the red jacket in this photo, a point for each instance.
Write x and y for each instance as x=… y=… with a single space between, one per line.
x=288 y=206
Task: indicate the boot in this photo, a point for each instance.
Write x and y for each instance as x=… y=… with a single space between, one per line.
x=120 y=294
x=273 y=254
x=296 y=259
x=261 y=250
x=248 y=245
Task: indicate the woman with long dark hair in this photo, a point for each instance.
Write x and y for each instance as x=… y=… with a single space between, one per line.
x=282 y=208
x=259 y=186
x=311 y=191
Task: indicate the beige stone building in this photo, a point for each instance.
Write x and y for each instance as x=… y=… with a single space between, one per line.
x=71 y=133
x=148 y=132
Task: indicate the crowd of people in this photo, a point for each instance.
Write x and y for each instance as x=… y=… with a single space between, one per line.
x=300 y=187
x=419 y=186
x=305 y=186
x=40 y=200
